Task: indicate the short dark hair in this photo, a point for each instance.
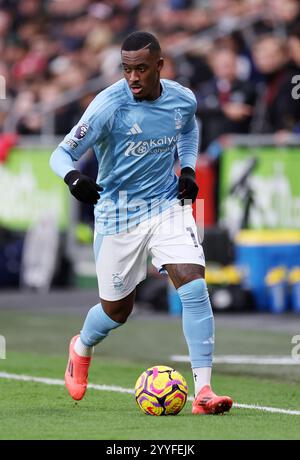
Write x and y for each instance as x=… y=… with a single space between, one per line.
x=139 y=40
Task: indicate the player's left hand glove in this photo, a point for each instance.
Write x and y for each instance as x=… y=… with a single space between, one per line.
x=187 y=186
x=84 y=188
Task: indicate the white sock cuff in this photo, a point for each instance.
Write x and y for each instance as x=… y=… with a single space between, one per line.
x=202 y=377
x=81 y=349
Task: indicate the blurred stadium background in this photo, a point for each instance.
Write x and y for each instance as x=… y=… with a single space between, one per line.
x=242 y=60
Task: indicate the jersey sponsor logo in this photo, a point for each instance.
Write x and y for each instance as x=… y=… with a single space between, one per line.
x=178 y=119
x=160 y=145
x=81 y=131
x=135 y=129
x=73 y=144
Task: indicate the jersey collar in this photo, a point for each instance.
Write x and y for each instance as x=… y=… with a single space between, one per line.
x=144 y=101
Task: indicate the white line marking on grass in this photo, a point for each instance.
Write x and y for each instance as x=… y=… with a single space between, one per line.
x=117 y=389
x=29 y=378
x=267 y=409
x=245 y=359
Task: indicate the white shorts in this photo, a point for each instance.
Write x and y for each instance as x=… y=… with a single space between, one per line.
x=168 y=238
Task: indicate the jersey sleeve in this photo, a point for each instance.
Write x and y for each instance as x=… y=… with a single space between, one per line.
x=188 y=142
x=61 y=162
x=91 y=128
x=192 y=110
x=187 y=146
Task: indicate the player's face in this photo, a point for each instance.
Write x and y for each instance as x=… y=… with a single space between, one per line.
x=142 y=72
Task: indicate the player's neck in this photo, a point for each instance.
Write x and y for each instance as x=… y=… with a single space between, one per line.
x=158 y=92
x=155 y=94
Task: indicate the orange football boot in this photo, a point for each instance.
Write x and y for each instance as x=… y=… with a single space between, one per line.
x=76 y=375
x=207 y=402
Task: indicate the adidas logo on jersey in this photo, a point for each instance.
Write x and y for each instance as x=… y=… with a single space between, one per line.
x=135 y=129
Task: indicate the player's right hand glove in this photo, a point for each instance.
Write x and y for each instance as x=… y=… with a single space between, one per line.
x=187 y=186
x=84 y=188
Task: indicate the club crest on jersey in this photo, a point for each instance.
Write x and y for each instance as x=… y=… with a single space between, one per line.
x=81 y=131
x=117 y=281
x=178 y=119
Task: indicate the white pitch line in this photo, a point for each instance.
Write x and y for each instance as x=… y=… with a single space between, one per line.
x=275 y=410
x=30 y=378
x=117 y=389
x=246 y=359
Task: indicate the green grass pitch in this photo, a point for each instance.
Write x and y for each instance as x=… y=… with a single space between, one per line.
x=37 y=346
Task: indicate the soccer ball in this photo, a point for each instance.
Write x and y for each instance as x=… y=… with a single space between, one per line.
x=161 y=390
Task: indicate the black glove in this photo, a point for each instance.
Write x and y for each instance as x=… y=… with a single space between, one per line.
x=84 y=188
x=187 y=186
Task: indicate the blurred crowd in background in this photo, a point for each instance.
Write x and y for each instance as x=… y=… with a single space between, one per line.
x=241 y=58
x=238 y=56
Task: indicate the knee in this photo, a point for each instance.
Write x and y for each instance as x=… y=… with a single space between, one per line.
x=182 y=274
x=120 y=316
x=185 y=279
x=119 y=312
x=187 y=276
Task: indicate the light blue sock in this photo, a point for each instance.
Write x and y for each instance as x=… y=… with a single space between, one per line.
x=197 y=322
x=96 y=326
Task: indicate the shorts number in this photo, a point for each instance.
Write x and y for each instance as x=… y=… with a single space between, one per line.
x=189 y=229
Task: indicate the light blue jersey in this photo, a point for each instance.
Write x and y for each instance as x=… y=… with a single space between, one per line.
x=135 y=144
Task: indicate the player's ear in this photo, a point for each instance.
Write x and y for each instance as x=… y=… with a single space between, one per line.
x=160 y=64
